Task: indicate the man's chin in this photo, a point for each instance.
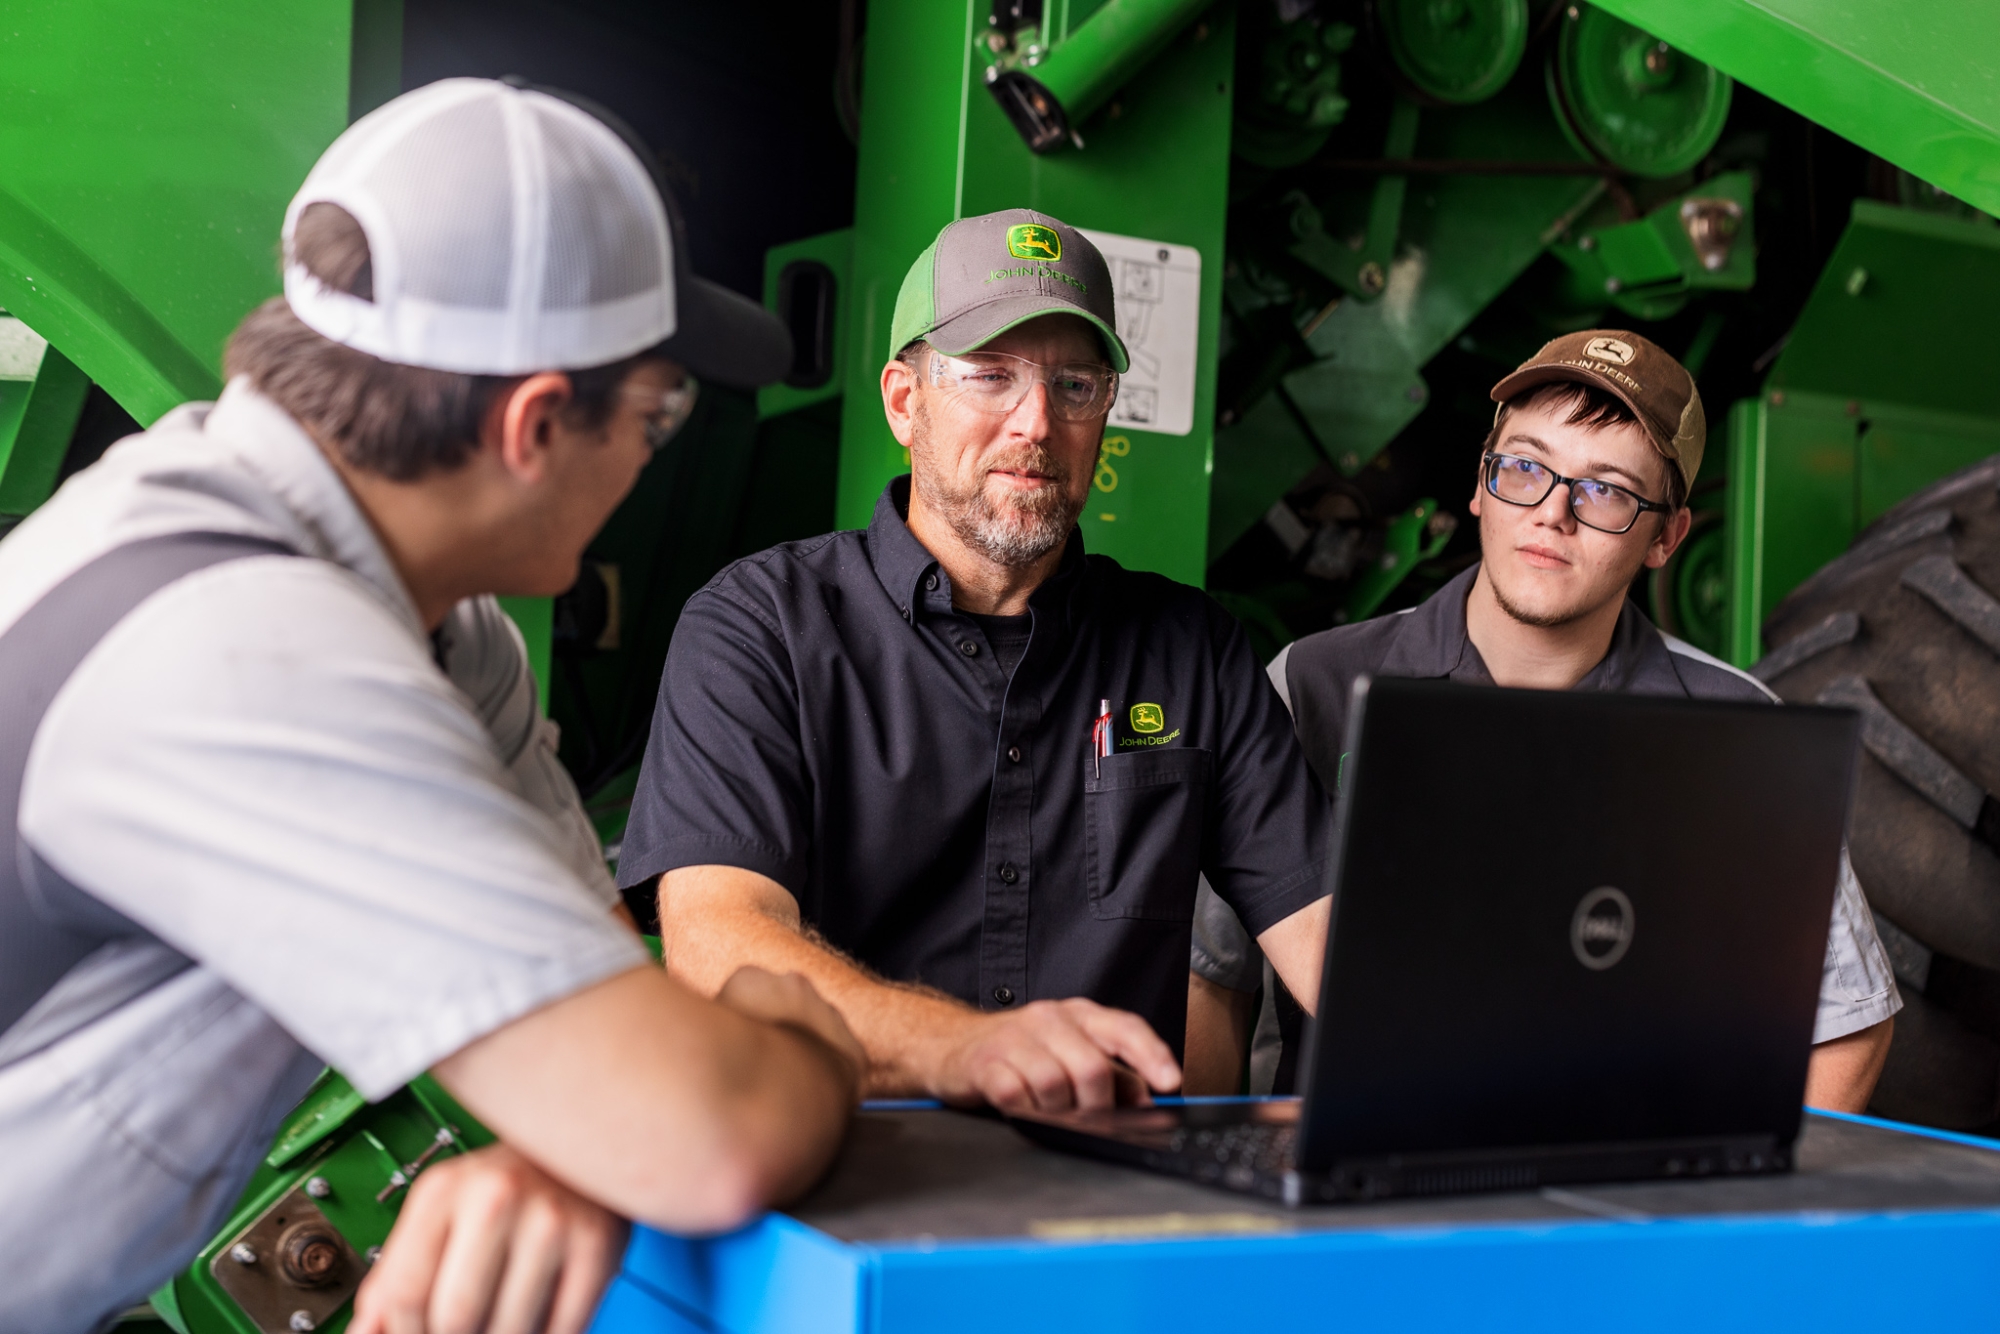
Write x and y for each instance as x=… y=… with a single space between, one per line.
x=1539 y=606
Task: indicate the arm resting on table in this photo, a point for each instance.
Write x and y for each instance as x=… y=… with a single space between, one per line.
x=1049 y=1054
x=667 y=1107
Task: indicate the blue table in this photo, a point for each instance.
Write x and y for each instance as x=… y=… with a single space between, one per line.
x=932 y=1220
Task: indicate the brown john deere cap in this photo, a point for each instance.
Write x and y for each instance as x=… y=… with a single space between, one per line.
x=1638 y=373
x=985 y=275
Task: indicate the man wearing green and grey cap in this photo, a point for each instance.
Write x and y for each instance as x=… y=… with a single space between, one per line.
x=959 y=774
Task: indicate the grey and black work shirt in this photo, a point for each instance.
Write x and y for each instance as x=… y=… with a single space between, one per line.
x=1316 y=674
x=830 y=720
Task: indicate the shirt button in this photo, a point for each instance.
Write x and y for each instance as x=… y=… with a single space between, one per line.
x=968 y=648
x=1014 y=754
x=1008 y=875
x=1003 y=995
x=930 y=583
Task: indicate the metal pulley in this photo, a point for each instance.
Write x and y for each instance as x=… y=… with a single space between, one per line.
x=1454 y=51
x=1288 y=98
x=1630 y=100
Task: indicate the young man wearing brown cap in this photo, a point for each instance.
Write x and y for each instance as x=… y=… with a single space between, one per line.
x=958 y=773
x=1582 y=484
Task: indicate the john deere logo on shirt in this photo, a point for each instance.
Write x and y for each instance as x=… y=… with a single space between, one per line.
x=1148 y=718
x=1601 y=930
x=1032 y=241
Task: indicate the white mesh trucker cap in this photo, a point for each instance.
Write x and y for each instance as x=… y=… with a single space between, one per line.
x=510 y=230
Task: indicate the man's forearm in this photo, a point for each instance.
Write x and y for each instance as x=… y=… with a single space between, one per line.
x=715 y=920
x=1841 y=1076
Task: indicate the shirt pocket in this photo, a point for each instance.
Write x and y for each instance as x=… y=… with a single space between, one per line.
x=1144 y=820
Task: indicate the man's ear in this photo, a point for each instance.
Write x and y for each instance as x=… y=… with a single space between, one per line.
x=1672 y=533
x=520 y=424
x=899 y=385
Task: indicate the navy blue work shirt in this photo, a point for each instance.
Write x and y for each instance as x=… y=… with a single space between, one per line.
x=828 y=719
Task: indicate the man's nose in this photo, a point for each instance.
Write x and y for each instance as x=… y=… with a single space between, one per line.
x=1555 y=511
x=1030 y=417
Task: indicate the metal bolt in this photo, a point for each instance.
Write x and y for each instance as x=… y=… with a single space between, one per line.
x=318 y=1189
x=1574 y=14
x=1777 y=398
x=1612 y=285
x=303 y=1322
x=372 y=1254
x=1350 y=460
x=1371 y=278
x=1659 y=58
x=243 y=1253
x=1587 y=243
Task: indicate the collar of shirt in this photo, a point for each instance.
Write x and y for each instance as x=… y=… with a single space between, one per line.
x=916 y=582
x=1432 y=641
x=328 y=523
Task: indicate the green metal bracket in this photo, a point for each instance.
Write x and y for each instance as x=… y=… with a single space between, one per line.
x=1361 y=266
x=41 y=396
x=1699 y=241
x=1413 y=537
x=1910 y=82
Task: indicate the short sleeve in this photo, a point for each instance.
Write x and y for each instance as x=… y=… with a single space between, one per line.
x=1272 y=819
x=724 y=781
x=264 y=768
x=485 y=656
x=1857 y=988
x=1222 y=952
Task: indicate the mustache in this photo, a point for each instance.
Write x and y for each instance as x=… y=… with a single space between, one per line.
x=1033 y=459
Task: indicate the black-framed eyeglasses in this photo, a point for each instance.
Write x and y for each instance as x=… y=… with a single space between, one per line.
x=1605 y=506
x=666 y=410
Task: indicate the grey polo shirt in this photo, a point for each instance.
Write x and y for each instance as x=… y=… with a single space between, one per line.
x=1314 y=676
x=342 y=854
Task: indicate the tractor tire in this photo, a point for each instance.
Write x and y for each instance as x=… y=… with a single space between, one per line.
x=1905 y=626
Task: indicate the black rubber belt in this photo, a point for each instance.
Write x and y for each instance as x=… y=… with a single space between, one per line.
x=1914 y=760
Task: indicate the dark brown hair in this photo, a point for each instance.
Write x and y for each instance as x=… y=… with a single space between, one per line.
x=1594 y=409
x=398 y=421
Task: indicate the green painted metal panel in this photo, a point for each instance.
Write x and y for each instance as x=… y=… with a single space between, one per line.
x=836 y=251
x=149 y=150
x=537 y=619
x=936 y=146
x=37 y=418
x=909 y=180
x=1903 y=313
x=1911 y=81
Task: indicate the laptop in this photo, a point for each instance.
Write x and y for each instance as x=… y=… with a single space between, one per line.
x=1576 y=937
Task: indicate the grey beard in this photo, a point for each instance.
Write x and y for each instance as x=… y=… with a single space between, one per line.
x=1021 y=533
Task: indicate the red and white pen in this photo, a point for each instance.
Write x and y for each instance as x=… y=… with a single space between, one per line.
x=1100 y=737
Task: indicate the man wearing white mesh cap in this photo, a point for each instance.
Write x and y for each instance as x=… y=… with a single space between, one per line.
x=280 y=793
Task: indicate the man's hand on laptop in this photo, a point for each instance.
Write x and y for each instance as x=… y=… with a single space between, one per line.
x=1053 y=1056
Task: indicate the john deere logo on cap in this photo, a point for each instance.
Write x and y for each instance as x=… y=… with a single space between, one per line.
x=1148 y=718
x=1033 y=241
x=1611 y=350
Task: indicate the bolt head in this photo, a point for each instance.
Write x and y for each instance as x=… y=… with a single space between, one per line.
x=243 y=1253
x=1587 y=243
x=302 y=1321
x=1612 y=285
x=318 y=1189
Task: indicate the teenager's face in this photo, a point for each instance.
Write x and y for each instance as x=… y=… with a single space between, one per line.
x=1544 y=567
x=595 y=469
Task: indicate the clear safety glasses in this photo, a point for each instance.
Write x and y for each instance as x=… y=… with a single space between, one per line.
x=996 y=382
x=1605 y=506
x=666 y=410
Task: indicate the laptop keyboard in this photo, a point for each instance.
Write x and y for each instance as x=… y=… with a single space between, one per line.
x=1265 y=1150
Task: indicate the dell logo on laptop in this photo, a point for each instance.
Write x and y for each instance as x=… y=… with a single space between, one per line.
x=1601 y=930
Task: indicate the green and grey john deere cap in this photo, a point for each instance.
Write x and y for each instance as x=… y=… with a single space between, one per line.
x=984 y=275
